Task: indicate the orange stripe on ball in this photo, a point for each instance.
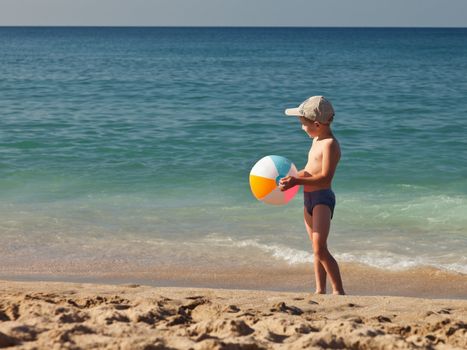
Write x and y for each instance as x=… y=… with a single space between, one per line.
x=261 y=186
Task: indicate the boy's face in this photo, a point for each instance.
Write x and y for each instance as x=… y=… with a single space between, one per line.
x=309 y=126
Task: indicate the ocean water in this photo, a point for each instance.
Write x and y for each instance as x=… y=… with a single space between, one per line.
x=129 y=149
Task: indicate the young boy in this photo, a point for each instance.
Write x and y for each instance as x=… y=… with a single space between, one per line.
x=316 y=114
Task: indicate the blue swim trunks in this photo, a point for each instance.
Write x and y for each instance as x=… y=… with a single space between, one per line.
x=325 y=197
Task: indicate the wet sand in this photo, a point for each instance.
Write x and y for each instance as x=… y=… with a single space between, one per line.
x=358 y=279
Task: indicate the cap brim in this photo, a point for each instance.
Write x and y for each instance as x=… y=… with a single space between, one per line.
x=293 y=112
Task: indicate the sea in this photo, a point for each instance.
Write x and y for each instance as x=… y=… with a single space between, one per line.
x=127 y=150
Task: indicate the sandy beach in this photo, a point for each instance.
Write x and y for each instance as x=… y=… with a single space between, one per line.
x=58 y=315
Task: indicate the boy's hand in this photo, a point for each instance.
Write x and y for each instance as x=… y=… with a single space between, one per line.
x=287 y=182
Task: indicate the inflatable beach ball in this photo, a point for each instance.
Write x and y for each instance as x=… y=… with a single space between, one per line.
x=265 y=176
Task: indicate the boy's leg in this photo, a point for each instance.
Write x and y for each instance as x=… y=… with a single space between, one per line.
x=320 y=272
x=321 y=224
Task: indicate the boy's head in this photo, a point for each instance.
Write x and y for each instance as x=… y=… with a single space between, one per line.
x=315 y=108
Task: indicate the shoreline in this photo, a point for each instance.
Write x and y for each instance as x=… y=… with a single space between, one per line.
x=358 y=279
x=132 y=316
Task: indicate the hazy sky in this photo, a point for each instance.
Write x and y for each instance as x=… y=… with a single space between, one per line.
x=432 y=13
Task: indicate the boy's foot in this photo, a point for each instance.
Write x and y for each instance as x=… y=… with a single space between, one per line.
x=320 y=292
x=336 y=292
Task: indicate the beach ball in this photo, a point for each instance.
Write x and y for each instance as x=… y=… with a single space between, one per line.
x=265 y=176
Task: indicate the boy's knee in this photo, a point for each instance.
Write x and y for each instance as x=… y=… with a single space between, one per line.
x=320 y=252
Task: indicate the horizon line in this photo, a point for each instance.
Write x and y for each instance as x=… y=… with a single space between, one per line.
x=222 y=26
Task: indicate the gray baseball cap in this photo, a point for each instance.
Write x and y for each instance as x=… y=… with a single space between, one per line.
x=315 y=108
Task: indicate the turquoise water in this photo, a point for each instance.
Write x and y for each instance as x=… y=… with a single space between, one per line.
x=133 y=146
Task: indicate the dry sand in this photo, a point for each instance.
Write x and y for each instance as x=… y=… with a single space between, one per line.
x=55 y=315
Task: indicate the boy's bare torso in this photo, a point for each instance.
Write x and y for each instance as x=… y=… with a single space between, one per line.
x=314 y=165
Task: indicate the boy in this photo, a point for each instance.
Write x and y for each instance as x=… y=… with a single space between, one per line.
x=316 y=114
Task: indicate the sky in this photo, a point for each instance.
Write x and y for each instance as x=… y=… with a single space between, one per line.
x=307 y=13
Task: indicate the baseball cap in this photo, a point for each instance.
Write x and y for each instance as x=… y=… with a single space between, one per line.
x=315 y=108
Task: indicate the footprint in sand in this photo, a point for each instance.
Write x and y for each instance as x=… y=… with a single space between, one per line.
x=353 y=305
x=275 y=338
x=6 y=341
x=72 y=318
x=232 y=309
x=383 y=319
x=65 y=335
x=446 y=311
x=282 y=307
x=215 y=329
x=24 y=333
x=178 y=319
x=10 y=313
